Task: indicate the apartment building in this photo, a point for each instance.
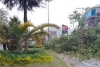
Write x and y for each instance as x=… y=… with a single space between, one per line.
x=92 y=16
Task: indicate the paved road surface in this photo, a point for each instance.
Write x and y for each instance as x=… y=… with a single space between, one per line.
x=88 y=63
x=73 y=62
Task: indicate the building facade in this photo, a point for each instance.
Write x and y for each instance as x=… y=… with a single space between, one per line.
x=63 y=30
x=92 y=16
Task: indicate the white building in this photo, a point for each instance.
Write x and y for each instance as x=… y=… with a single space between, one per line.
x=57 y=32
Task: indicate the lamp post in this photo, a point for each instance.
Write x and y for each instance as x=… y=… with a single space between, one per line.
x=48 y=19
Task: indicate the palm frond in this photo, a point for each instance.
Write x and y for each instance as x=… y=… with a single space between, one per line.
x=2 y=32
x=41 y=27
x=4 y=40
x=37 y=36
x=30 y=3
x=41 y=33
x=37 y=39
x=48 y=25
x=24 y=27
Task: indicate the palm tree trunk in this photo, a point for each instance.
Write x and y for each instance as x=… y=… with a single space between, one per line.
x=25 y=11
x=25 y=20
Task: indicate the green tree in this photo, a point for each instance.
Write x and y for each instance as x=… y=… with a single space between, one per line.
x=24 y=5
x=16 y=35
x=14 y=21
x=3 y=17
x=76 y=17
x=3 y=22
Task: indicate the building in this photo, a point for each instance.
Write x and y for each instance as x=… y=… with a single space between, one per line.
x=63 y=30
x=92 y=16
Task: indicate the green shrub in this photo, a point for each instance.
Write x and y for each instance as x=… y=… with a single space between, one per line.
x=56 y=43
x=30 y=45
x=82 y=43
x=71 y=45
x=23 y=58
x=48 y=45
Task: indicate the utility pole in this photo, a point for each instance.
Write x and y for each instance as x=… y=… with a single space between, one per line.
x=82 y=10
x=48 y=19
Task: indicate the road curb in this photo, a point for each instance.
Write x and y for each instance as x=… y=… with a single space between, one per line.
x=65 y=62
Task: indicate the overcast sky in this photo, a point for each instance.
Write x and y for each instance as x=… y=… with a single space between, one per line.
x=59 y=11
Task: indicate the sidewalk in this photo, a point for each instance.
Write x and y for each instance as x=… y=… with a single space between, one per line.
x=73 y=62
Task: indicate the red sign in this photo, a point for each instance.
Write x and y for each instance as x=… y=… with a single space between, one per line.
x=64 y=27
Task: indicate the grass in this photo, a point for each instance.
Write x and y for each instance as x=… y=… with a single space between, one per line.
x=57 y=61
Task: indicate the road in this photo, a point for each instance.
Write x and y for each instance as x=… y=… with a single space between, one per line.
x=73 y=62
x=88 y=63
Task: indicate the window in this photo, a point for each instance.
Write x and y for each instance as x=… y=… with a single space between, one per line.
x=98 y=14
x=92 y=18
x=98 y=22
x=93 y=12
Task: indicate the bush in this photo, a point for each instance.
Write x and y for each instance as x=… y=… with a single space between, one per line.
x=30 y=45
x=4 y=61
x=56 y=43
x=48 y=45
x=82 y=43
x=23 y=58
x=71 y=45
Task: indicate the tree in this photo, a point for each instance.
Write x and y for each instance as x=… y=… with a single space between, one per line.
x=40 y=36
x=76 y=17
x=16 y=35
x=40 y=33
x=6 y=30
x=3 y=22
x=3 y=17
x=24 y=5
x=14 y=21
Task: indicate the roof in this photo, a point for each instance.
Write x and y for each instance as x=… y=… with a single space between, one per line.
x=96 y=6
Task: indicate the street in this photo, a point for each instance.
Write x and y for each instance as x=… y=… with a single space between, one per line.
x=73 y=62
x=88 y=63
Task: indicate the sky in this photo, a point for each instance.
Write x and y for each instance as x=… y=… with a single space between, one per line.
x=59 y=11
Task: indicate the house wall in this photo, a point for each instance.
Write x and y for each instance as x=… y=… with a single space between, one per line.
x=93 y=20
